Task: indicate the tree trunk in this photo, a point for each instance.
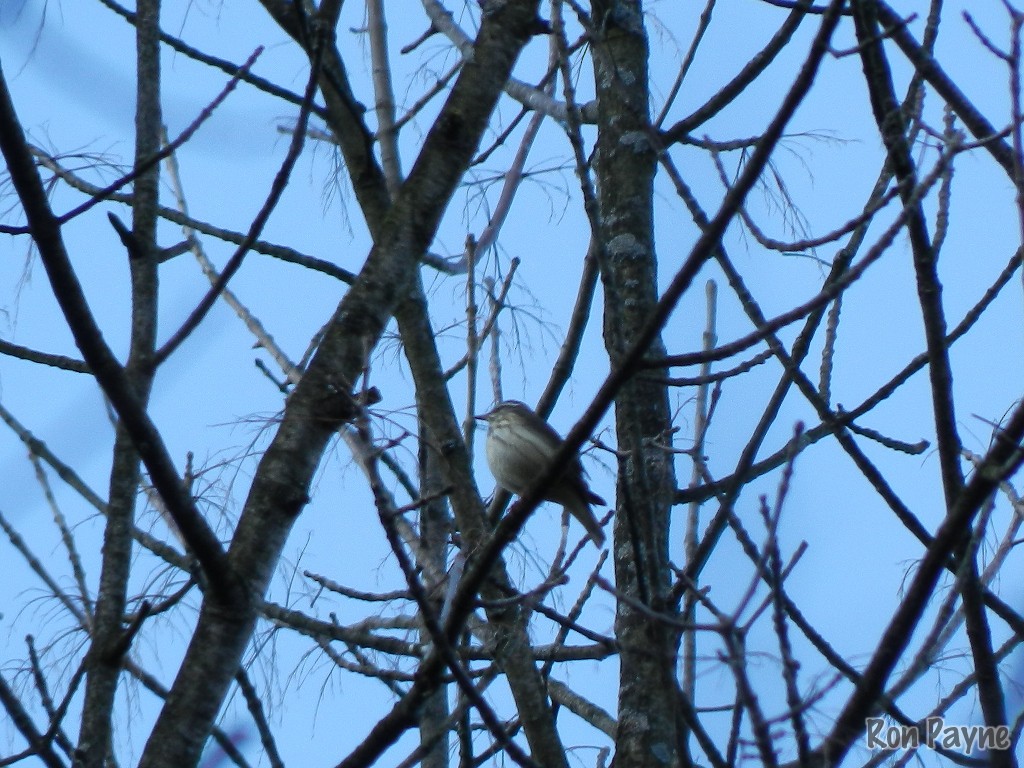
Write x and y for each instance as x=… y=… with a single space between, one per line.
x=625 y=164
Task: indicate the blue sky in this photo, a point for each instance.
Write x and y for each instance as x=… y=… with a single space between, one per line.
x=73 y=87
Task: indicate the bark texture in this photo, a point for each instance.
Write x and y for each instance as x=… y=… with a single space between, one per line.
x=625 y=164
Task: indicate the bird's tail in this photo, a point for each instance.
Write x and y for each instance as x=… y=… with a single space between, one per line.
x=581 y=510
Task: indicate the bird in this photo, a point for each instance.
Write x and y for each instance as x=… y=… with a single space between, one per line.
x=520 y=444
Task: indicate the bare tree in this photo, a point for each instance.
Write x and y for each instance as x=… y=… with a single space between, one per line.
x=702 y=636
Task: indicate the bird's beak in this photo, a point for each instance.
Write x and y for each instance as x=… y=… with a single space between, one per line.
x=482 y=416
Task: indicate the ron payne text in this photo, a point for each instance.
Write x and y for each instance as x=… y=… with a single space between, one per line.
x=935 y=733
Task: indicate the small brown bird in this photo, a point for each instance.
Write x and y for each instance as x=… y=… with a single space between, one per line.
x=519 y=446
